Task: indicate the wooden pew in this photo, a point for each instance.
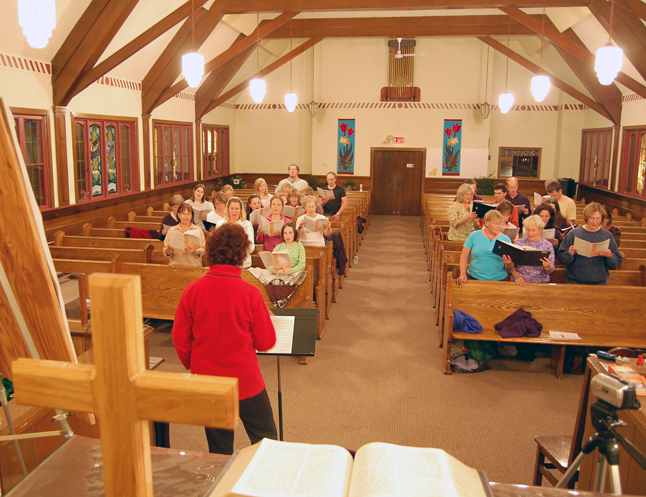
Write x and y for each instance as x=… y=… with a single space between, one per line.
x=153 y=248
x=114 y=224
x=581 y=309
x=102 y=254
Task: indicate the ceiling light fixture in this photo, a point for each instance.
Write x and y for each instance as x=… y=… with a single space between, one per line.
x=193 y=62
x=506 y=100
x=37 y=18
x=609 y=58
x=291 y=100
x=541 y=82
x=257 y=86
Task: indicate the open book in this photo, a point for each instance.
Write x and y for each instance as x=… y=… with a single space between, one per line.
x=325 y=193
x=179 y=240
x=201 y=214
x=293 y=212
x=587 y=249
x=511 y=232
x=271 y=228
x=280 y=260
x=481 y=209
x=521 y=256
x=538 y=198
x=272 y=468
x=549 y=234
x=313 y=224
x=254 y=217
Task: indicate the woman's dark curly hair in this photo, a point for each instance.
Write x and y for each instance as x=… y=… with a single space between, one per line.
x=227 y=245
x=549 y=208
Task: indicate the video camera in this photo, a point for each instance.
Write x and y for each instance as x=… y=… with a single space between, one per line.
x=615 y=391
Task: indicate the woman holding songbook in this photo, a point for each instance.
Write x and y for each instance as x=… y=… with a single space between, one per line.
x=184 y=243
x=294 y=198
x=533 y=239
x=591 y=240
x=200 y=205
x=235 y=213
x=485 y=265
x=220 y=322
x=289 y=237
x=220 y=204
x=312 y=227
x=261 y=189
x=276 y=215
x=547 y=213
x=171 y=218
x=559 y=221
x=506 y=208
x=253 y=204
x=461 y=218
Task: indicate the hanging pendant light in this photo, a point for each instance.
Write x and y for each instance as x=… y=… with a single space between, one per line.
x=609 y=58
x=291 y=100
x=541 y=83
x=486 y=107
x=257 y=86
x=193 y=63
x=37 y=18
x=313 y=107
x=506 y=100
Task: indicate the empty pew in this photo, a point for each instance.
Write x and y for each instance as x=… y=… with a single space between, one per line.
x=154 y=247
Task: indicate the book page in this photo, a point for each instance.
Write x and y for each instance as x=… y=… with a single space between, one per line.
x=176 y=239
x=284 y=326
x=201 y=214
x=538 y=198
x=280 y=468
x=588 y=249
x=282 y=259
x=512 y=233
x=192 y=239
x=266 y=258
x=293 y=212
x=314 y=224
x=549 y=234
x=390 y=470
x=325 y=193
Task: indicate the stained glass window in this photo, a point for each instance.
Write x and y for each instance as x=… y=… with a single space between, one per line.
x=95 y=160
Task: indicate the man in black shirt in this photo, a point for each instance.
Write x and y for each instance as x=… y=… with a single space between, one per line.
x=334 y=206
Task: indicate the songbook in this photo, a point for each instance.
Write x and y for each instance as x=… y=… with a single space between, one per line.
x=293 y=212
x=201 y=214
x=166 y=227
x=521 y=256
x=179 y=240
x=271 y=228
x=329 y=194
x=587 y=249
x=314 y=224
x=538 y=198
x=511 y=232
x=549 y=234
x=208 y=226
x=272 y=468
x=254 y=217
x=481 y=209
x=284 y=327
x=280 y=260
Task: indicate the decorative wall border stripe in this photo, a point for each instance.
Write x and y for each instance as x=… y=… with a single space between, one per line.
x=631 y=97
x=185 y=96
x=119 y=83
x=24 y=64
x=411 y=105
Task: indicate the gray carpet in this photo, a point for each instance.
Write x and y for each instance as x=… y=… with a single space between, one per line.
x=376 y=375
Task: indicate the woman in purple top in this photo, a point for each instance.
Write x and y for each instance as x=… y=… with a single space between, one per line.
x=270 y=242
x=533 y=238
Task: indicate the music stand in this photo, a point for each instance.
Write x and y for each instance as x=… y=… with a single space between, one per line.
x=303 y=344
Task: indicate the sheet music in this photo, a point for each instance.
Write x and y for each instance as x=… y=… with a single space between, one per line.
x=284 y=326
x=562 y=335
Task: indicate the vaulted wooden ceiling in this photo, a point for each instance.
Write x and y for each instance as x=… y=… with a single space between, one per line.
x=78 y=62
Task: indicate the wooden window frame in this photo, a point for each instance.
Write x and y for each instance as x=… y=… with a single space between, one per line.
x=220 y=135
x=191 y=165
x=640 y=131
x=103 y=121
x=540 y=158
x=41 y=115
x=584 y=168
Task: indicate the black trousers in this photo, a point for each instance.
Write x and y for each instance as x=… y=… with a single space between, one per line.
x=258 y=420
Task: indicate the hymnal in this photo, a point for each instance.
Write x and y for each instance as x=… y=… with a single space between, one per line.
x=201 y=214
x=521 y=256
x=313 y=224
x=272 y=468
x=179 y=240
x=280 y=260
x=271 y=228
x=293 y=212
x=549 y=234
x=587 y=249
x=481 y=209
x=329 y=194
x=512 y=233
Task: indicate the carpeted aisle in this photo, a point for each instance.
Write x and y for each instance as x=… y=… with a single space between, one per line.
x=377 y=377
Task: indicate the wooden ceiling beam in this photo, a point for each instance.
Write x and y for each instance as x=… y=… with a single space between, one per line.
x=575 y=48
x=561 y=85
x=494 y=25
x=637 y=7
x=627 y=30
x=263 y=72
x=249 y=6
x=265 y=29
x=218 y=79
x=86 y=43
x=169 y=65
x=131 y=48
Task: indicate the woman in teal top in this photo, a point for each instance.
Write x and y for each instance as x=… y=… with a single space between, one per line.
x=289 y=236
x=485 y=265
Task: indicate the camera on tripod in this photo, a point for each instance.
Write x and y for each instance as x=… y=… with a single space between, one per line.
x=615 y=391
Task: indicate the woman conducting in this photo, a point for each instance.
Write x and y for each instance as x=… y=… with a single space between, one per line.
x=462 y=221
x=485 y=265
x=589 y=270
x=220 y=322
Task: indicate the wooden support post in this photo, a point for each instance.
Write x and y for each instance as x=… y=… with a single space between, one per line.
x=87 y=229
x=198 y=150
x=60 y=146
x=145 y=119
x=615 y=156
x=58 y=238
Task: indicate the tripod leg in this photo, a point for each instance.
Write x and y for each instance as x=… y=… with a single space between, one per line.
x=571 y=471
x=600 y=477
x=615 y=481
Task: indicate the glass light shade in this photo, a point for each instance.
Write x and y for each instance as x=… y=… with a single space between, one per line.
x=291 y=100
x=486 y=109
x=313 y=107
x=37 y=18
x=193 y=68
x=505 y=102
x=540 y=87
x=257 y=88
x=608 y=63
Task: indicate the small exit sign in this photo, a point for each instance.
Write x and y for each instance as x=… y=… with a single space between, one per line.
x=399 y=139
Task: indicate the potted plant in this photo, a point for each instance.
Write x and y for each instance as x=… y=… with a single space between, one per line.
x=237 y=182
x=350 y=185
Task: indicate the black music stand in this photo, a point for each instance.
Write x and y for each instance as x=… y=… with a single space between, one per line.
x=303 y=344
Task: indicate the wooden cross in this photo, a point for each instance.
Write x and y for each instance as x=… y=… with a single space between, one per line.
x=121 y=391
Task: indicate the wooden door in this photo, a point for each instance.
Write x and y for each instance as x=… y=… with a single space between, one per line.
x=397 y=178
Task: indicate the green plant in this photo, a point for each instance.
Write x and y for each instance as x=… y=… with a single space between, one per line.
x=350 y=185
x=313 y=181
x=486 y=183
x=237 y=182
